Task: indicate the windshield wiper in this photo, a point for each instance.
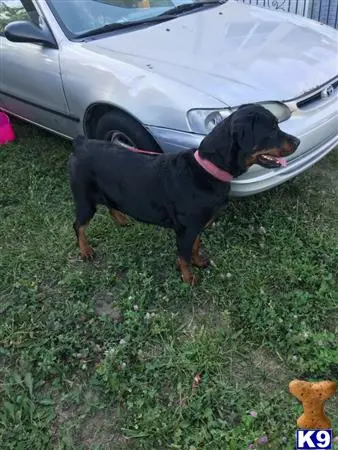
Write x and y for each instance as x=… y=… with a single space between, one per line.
x=121 y=25
x=190 y=7
x=167 y=15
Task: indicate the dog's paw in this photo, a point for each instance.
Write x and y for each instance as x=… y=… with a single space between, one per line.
x=186 y=272
x=201 y=262
x=190 y=279
x=88 y=254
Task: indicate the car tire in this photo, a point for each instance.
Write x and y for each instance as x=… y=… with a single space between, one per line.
x=118 y=127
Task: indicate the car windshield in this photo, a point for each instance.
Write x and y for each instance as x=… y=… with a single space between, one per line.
x=80 y=17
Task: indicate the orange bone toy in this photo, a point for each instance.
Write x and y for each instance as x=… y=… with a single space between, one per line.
x=313 y=397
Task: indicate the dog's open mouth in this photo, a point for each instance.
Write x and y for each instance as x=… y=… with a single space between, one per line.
x=271 y=162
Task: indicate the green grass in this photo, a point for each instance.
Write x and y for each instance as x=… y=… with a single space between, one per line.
x=103 y=355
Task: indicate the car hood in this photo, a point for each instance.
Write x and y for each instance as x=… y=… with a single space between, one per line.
x=234 y=52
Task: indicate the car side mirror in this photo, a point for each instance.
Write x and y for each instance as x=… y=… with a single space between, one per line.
x=25 y=31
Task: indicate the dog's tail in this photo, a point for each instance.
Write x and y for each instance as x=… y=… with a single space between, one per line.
x=79 y=143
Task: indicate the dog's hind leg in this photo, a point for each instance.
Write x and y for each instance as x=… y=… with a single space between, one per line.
x=84 y=213
x=119 y=218
x=85 y=204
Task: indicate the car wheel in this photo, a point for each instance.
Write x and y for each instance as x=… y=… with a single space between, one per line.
x=120 y=128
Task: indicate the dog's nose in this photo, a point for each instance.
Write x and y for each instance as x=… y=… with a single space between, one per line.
x=295 y=141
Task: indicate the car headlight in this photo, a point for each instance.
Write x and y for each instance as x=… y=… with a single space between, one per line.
x=202 y=121
x=279 y=110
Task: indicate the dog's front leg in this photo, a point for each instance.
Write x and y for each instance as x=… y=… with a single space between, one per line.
x=185 y=244
x=197 y=259
x=86 y=251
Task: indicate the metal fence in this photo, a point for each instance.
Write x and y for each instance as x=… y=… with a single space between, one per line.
x=325 y=11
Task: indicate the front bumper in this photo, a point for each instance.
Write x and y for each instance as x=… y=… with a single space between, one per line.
x=318 y=138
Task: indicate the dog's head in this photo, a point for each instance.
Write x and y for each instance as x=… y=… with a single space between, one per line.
x=250 y=135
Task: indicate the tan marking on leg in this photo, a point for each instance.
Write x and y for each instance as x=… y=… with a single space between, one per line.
x=186 y=272
x=119 y=218
x=85 y=250
x=197 y=259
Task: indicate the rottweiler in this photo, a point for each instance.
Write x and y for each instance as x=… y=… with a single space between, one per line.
x=182 y=191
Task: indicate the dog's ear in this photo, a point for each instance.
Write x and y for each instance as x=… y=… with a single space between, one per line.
x=217 y=145
x=231 y=142
x=243 y=136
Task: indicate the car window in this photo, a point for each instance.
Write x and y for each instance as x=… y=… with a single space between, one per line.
x=79 y=16
x=12 y=10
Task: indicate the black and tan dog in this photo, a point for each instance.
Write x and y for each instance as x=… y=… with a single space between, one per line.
x=182 y=191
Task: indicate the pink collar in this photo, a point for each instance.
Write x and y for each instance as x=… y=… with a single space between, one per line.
x=208 y=166
x=216 y=172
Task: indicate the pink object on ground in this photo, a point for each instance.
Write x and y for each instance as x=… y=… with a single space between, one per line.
x=6 y=129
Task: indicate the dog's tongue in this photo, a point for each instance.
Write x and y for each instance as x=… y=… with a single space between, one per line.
x=282 y=161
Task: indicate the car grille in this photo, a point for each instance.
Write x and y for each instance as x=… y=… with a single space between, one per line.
x=326 y=92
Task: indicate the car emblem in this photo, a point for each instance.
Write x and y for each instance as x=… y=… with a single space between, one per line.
x=327 y=92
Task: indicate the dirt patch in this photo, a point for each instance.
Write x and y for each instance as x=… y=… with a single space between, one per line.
x=256 y=367
x=262 y=370
x=63 y=415
x=86 y=425
x=211 y=319
x=106 y=305
x=99 y=431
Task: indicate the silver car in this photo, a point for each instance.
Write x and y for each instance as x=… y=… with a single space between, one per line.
x=160 y=74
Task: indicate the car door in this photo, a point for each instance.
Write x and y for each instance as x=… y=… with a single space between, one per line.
x=30 y=80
